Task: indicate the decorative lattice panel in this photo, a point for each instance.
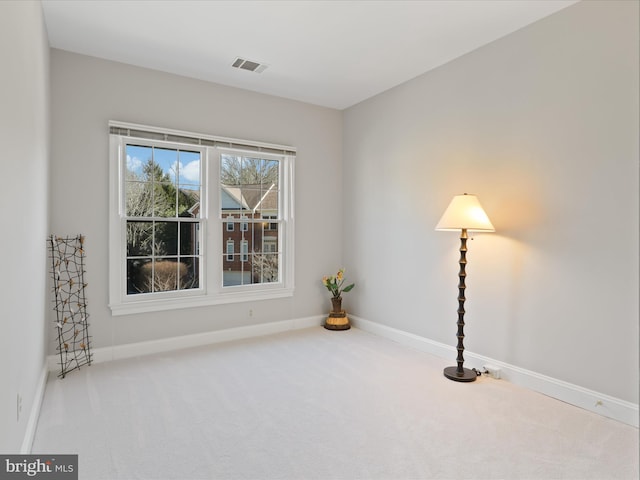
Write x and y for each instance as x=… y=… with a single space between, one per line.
x=74 y=342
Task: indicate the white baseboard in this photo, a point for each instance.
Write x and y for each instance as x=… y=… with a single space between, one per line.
x=34 y=414
x=117 y=352
x=593 y=401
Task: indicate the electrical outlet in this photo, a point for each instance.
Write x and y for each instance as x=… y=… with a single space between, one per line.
x=251 y=312
x=493 y=372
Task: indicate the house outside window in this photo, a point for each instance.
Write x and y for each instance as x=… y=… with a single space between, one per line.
x=252 y=191
x=168 y=189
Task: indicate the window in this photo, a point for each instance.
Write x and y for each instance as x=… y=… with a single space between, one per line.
x=244 y=250
x=252 y=190
x=270 y=244
x=161 y=217
x=270 y=226
x=168 y=189
x=230 y=250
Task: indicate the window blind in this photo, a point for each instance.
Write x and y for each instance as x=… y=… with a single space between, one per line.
x=152 y=133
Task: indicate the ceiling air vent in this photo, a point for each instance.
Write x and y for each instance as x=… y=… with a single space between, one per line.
x=245 y=64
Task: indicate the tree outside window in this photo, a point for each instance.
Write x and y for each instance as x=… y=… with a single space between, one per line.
x=162 y=194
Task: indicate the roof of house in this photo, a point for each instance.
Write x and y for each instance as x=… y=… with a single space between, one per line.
x=249 y=197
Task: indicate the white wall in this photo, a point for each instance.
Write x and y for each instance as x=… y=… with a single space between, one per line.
x=543 y=126
x=88 y=92
x=24 y=125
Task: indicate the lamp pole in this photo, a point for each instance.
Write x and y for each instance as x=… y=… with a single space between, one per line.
x=459 y=373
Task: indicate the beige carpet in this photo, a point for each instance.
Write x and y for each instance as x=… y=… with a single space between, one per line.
x=316 y=404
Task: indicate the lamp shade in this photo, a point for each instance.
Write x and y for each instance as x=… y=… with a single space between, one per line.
x=465 y=212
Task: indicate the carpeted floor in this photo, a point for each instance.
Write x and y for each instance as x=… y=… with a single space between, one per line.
x=316 y=404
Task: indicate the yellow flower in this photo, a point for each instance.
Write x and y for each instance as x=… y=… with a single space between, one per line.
x=334 y=283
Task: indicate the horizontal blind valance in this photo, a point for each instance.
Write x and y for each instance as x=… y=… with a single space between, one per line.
x=188 y=138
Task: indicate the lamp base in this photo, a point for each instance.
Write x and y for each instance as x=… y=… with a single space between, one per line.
x=452 y=374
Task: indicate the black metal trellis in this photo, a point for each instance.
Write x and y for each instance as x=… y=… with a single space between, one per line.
x=74 y=342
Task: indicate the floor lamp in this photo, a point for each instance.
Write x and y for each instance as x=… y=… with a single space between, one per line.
x=463 y=213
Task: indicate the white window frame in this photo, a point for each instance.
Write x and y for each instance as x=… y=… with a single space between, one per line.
x=211 y=291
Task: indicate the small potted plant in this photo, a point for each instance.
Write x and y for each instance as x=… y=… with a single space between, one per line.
x=337 y=319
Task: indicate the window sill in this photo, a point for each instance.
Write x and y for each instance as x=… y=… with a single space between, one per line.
x=158 y=305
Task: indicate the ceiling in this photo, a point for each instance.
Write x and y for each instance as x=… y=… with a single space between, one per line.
x=329 y=53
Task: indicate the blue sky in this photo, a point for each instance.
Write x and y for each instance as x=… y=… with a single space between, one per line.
x=181 y=163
